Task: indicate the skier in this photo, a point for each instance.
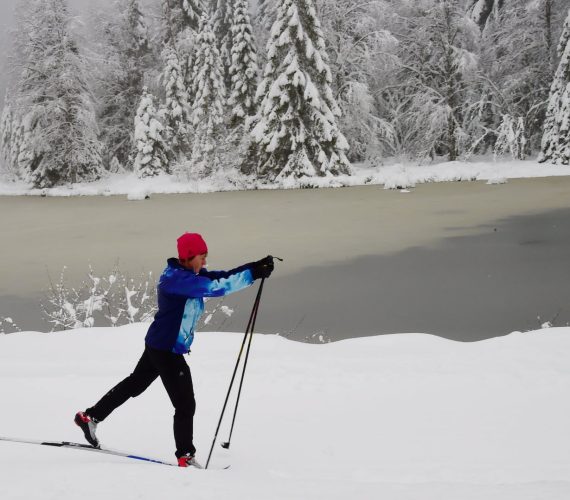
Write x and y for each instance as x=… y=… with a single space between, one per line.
x=181 y=291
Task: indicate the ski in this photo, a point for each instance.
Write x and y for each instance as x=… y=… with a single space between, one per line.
x=87 y=447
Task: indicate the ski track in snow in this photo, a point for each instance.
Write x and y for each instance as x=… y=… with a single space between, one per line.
x=395 y=417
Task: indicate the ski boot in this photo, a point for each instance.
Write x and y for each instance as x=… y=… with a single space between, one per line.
x=89 y=426
x=188 y=461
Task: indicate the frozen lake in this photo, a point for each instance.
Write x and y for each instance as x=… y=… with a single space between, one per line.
x=461 y=260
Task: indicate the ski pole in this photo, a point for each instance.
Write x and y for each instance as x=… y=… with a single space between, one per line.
x=226 y=444
x=253 y=311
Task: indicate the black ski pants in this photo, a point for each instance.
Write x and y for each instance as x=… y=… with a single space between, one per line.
x=175 y=375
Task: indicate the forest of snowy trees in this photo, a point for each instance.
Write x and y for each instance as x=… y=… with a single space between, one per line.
x=281 y=89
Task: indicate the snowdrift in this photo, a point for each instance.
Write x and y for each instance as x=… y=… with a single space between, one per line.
x=397 y=416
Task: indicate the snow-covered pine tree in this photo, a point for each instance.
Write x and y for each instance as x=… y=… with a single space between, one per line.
x=177 y=109
x=556 y=136
x=180 y=15
x=221 y=24
x=265 y=16
x=180 y=23
x=243 y=70
x=55 y=106
x=151 y=156
x=267 y=12
x=6 y=122
x=128 y=57
x=295 y=130
x=10 y=138
x=209 y=101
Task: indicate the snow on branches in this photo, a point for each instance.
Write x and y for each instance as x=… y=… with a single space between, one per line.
x=556 y=137
x=209 y=94
x=123 y=39
x=114 y=299
x=243 y=71
x=54 y=113
x=151 y=156
x=295 y=132
x=177 y=107
x=111 y=299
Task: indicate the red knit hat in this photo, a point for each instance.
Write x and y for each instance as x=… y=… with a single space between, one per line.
x=191 y=244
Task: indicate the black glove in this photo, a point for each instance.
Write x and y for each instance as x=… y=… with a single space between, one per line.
x=262 y=268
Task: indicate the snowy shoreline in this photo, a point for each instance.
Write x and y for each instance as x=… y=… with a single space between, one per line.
x=394 y=176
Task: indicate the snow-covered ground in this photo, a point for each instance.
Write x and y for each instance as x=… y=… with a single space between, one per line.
x=391 y=176
x=408 y=416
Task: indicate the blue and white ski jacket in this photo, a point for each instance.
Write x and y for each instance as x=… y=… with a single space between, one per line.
x=181 y=295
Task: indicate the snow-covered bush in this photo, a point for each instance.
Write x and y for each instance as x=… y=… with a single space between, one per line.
x=215 y=314
x=111 y=300
x=8 y=325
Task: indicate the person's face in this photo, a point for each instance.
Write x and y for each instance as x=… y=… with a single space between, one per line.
x=198 y=262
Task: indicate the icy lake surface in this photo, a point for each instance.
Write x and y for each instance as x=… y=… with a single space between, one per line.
x=464 y=260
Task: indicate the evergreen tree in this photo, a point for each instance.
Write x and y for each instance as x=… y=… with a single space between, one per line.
x=151 y=157
x=180 y=23
x=222 y=22
x=55 y=107
x=128 y=57
x=209 y=100
x=11 y=137
x=243 y=70
x=265 y=16
x=556 y=137
x=8 y=148
x=177 y=109
x=180 y=15
x=295 y=131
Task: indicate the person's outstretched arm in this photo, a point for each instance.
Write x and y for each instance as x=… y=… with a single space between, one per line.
x=214 y=283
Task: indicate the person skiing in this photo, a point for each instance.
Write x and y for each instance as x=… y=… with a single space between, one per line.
x=180 y=292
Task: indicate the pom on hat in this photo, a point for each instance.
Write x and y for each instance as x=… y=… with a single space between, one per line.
x=191 y=244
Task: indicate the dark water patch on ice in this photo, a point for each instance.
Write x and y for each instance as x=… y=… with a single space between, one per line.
x=514 y=275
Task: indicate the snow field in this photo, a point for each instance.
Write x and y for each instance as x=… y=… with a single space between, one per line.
x=397 y=416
